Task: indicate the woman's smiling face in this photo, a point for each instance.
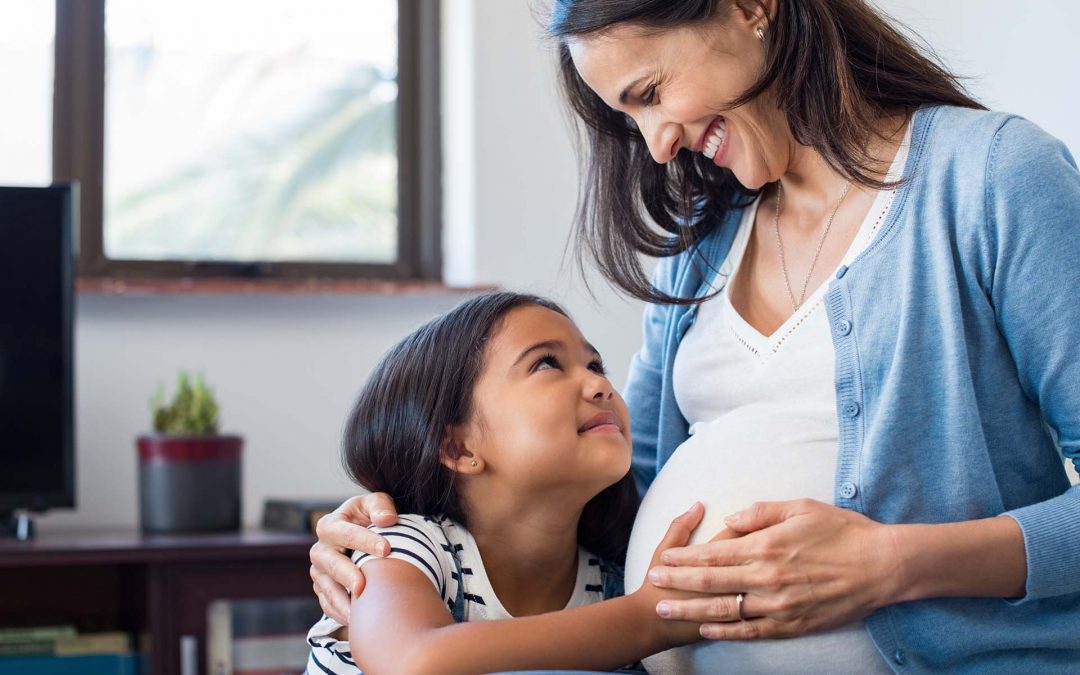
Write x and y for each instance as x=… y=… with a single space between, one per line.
x=677 y=84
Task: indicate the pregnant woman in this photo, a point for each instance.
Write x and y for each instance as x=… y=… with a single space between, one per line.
x=861 y=349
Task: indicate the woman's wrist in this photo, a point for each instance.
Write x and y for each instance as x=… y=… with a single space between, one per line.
x=975 y=558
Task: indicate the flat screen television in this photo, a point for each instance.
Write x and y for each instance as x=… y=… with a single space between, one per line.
x=37 y=271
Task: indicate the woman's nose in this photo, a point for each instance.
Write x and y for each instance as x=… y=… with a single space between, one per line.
x=663 y=139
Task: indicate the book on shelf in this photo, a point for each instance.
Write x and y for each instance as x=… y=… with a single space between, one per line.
x=113 y=642
x=35 y=634
x=84 y=664
x=254 y=637
x=296 y=515
x=53 y=641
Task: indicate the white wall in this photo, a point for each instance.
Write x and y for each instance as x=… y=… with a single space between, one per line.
x=1020 y=57
x=286 y=368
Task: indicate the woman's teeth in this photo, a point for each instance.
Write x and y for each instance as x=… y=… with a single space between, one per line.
x=716 y=138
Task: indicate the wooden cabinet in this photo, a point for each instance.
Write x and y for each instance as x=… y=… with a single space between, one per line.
x=157 y=587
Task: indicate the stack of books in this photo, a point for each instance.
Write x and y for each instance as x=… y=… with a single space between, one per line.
x=49 y=650
x=259 y=637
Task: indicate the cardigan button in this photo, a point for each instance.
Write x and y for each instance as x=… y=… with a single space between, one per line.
x=841 y=272
x=848 y=490
x=851 y=410
x=843 y=327
x=899 y=657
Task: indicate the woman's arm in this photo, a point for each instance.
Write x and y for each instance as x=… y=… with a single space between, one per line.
x=400 y=625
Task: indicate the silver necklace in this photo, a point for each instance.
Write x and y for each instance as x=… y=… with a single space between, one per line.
x=795 y=304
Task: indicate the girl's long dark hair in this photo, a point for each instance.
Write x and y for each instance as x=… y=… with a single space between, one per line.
x=423 y=386
x=836 y=67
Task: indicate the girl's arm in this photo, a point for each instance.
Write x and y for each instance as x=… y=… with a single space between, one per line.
x=400 y=625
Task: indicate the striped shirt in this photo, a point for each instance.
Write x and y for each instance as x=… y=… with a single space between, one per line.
x=431 y=545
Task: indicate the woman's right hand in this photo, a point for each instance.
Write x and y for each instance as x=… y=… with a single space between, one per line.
x=333 y=575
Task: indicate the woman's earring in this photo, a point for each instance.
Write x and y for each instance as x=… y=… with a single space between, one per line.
x=473 y=463
x=761 y=33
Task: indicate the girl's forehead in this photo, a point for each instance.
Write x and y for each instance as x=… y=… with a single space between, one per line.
x=524 y=327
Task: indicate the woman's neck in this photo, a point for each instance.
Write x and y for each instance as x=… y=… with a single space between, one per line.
x=529 y=548
x=811 y=186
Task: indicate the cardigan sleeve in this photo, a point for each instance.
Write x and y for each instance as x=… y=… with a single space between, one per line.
x=1033 y=209
x=644 y=383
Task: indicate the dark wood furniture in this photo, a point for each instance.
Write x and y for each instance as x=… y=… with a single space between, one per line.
x=157 y=587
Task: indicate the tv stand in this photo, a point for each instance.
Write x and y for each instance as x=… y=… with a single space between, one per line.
x=157 y=587
x=16 y=525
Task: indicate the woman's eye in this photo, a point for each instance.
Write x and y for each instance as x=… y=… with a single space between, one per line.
x=649 y=97
x=598 y=368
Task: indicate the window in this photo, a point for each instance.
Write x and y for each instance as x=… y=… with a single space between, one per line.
x=26 y=67
x=251 y=138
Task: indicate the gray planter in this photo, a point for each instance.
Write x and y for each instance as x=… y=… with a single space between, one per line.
x=189 y=483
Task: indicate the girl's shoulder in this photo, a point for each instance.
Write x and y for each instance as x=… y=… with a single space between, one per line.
x=429 y=543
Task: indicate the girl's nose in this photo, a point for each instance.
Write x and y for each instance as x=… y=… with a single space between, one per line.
x=598 y=388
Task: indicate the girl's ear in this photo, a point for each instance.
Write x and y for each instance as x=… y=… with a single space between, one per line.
x=455 y=456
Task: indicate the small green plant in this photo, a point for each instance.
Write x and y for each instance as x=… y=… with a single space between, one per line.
x=193 y=412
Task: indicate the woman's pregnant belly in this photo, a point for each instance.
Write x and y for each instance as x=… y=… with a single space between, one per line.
x=727 y=465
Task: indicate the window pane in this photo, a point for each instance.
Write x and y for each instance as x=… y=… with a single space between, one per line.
x=26 y=82
x=251 y=130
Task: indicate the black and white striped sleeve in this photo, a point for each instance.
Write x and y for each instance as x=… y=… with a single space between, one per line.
x=418 y=543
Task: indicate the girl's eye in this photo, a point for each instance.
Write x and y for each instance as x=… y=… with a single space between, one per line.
x=649 y=97
x=598 y=367
x=545 y=362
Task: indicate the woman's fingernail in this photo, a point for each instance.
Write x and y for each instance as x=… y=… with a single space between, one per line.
x=382 y=549
x=707 y=631
x=733 y=518
x=654 y=576
x=383 y=513
x=665 y=558
x=664 y=609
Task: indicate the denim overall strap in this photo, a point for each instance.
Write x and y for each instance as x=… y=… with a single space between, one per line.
x=612 y=579
x=458 y=610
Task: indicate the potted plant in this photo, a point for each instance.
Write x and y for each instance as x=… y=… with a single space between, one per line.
x=189 y=473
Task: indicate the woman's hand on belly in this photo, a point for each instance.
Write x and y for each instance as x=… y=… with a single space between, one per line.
x=801 y=566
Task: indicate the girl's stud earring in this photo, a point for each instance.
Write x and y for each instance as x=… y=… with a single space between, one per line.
x=472 y=463
x=761 y=33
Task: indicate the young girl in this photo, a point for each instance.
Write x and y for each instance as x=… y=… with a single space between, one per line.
x=495 y=429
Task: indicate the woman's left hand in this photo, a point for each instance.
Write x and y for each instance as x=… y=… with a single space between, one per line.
x=802 y=566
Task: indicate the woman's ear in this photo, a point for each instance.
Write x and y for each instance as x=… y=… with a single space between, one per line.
x=755 y=12
x=454 y=455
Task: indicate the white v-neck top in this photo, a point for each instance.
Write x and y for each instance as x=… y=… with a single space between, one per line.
x=763 y=427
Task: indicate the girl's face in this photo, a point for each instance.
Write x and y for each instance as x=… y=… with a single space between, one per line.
x=545 y=416
x=677 y=85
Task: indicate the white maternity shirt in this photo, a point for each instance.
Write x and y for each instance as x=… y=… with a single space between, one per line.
x=763 y=426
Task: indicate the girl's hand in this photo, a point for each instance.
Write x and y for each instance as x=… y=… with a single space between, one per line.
x=801 y=566
x=654 y=599
x=333 y=575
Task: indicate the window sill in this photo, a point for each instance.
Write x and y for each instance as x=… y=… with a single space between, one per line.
x=134 y=286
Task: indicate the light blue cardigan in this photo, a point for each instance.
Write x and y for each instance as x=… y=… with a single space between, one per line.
x=957 y=336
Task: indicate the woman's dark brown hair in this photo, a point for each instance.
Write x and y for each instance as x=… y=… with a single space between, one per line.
x=423 y=386
x=835 y=66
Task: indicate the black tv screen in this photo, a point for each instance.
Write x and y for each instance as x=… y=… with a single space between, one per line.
x=37 y=266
